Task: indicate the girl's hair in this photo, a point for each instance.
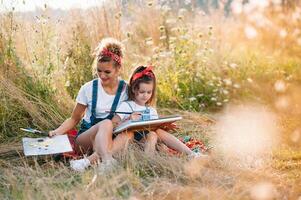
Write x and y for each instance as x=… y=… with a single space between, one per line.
x=109 y=49
x=142 y=75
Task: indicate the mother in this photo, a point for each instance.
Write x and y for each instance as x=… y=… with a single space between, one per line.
x=95 y=104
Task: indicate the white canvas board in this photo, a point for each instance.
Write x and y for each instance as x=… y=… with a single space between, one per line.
x=46 y=145
x=146 y=124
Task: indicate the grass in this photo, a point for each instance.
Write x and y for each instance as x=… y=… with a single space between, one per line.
x=158 y=177
x=204 y=63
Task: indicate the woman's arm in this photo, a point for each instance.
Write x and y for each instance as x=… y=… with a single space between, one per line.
x=71 y=122
x=116 y=121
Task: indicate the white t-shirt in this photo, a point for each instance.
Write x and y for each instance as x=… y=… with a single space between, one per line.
x=133 y=107
x=104 y=100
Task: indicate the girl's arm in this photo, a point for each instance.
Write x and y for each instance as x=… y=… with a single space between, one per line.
x=71 y=122
x=117 y=119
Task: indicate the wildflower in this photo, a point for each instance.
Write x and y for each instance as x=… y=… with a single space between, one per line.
x=227 y=82
x=180 y=17
x=165 y=9
x=213 y=99
x=162 y=28
x=175 y=29
x=149 y=43
x=192 y=99
x=280 y=86
x=233 y=65
x=182 y=12
x=202 y=105
x=163 y=55
x=219 y=104
x=163 y=37
x=236 y=85
x=118 y=15
x=172 y=39
x=226 y=100
x=185 y=37
x=67 y=84
x=225 y=91
x=200 y=95
x=156 y=49
x=249 y=80
x=210 y=84
x=128 y=34
x=171 y=21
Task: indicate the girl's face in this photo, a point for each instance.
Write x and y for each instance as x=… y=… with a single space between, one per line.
x=107 y=73
x=144 y=93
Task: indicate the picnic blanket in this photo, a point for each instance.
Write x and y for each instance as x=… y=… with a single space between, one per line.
x=194 y=144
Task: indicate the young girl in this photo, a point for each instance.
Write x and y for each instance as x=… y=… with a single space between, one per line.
x=141 y=94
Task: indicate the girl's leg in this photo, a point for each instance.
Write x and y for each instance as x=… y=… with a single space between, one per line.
x=150 y=143
x=121 y=141
x=173 y=142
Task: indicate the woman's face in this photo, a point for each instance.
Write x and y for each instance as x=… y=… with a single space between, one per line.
x=107 y=72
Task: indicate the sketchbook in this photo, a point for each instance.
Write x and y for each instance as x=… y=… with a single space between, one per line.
x=46 y=145
x=151 y=124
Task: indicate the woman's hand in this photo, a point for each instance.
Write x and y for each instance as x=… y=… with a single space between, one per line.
x=135 y=116
x=53 y=133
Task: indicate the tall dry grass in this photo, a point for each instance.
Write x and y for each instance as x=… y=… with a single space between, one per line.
x=203 y=62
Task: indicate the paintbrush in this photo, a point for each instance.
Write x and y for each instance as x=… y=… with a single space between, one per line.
x=35 y=131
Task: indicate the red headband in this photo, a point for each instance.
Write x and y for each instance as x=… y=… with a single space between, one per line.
x=115 y=57
x=146 y=72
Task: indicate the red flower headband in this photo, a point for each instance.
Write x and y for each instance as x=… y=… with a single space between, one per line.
x=115 y=57
x=146 y=72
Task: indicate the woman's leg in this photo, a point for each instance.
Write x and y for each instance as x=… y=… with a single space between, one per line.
x=99 y=139
x=173 y=142
x=150 y=143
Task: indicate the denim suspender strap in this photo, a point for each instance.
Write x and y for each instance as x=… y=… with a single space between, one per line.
x=116 y=99
x=94 y=101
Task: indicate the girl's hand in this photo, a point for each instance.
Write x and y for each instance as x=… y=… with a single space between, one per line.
x=135 y=116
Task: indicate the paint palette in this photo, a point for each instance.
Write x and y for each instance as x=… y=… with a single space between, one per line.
x=46 y=145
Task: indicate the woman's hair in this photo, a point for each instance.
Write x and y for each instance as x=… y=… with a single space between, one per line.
x=109 y=49
x=142 y=75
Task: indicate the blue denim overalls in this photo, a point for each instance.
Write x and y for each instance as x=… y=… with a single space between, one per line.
x=138 y=135
x=93 y=120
